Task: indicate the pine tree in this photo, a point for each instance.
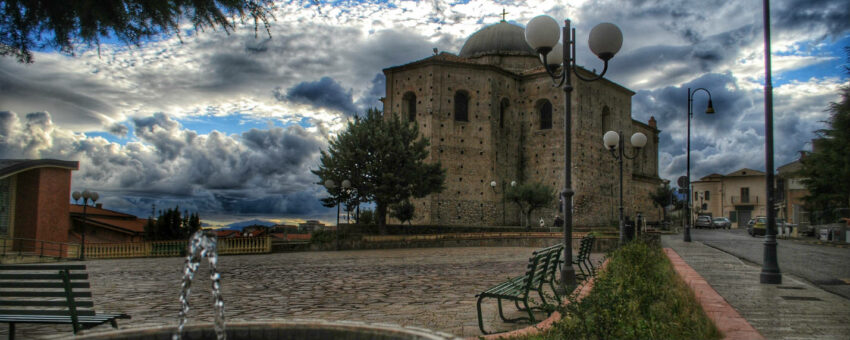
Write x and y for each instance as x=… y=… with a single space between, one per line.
x=827 y=169
x=61 y=24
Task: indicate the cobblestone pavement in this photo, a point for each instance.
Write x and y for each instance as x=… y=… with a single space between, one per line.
x=794 y=309
x=432 y=288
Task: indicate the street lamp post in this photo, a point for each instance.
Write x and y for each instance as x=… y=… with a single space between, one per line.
x=770 y=268
x=330 y=184
x=616 y=145
x=708 y=110
x=513 y=185
x=86 y=196
x=605 y=41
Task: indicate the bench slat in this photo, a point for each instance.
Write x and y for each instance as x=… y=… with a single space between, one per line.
x=44 y=294
x=42 y=267
x=42 y=284
x=44 y=312
x=43 y=303
x=82 y=276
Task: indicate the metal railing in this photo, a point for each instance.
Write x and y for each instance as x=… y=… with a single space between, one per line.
x=226 y=246
x=752 y=199
x=40 y=248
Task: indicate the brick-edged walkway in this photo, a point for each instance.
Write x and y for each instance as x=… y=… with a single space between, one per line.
x=726 y=318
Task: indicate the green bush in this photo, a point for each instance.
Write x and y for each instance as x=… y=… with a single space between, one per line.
x=638 y=296
x=323 y=236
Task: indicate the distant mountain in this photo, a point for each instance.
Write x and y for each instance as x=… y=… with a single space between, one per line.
x=243 y=224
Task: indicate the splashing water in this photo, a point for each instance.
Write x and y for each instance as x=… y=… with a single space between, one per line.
x=200 y=246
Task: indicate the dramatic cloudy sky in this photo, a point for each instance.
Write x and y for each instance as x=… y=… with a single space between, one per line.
x=230 y=125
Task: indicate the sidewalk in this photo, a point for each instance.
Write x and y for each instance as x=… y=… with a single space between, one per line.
x=794 y=309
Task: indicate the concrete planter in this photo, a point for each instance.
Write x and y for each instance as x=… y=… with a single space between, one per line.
x=280 y=330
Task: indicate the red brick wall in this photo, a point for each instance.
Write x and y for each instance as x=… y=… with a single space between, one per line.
x=42 y=204
x=26 y=205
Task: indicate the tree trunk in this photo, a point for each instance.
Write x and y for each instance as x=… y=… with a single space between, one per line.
x=528 y=220
x=381 y=210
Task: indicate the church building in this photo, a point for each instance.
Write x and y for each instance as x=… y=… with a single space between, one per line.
x=492 y=115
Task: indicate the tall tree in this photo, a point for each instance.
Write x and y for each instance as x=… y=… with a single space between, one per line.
x=384 y=158
x=530 y=197
x=171 y=225
x=27 y=24
x=827 y=169
x=662 y=197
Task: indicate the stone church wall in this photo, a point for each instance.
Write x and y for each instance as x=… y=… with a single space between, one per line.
x=484 y=149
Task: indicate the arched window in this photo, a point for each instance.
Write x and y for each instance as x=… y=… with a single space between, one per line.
x=544 y=109
x=461 y=106
x=408 y=106
x=503 y=108
x=607 y=124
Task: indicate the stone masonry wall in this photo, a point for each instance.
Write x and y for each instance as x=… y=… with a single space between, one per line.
x=481 y=150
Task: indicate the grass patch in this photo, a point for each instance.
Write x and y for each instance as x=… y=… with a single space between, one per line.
x=638 y=296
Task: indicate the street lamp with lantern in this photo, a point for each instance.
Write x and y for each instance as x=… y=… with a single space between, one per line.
x=708 y=110
x=86 y=196
x=605 y=41
x=616 y=145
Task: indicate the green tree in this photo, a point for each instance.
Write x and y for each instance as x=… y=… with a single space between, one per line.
x=403 y=211
x=530 y=197
x=367 y=216
x=826 y=171
x=662 y=197
x=384 y=158
x=171 y=225
x=27 y=24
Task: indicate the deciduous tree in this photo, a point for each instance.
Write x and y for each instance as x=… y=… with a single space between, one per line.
x=529 y=197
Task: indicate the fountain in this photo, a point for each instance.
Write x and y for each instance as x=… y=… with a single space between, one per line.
x=203 y=246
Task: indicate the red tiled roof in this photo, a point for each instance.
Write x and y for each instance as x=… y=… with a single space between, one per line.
x=297 y=237
x=93 y=211
x=227 y=233
x=136 y=225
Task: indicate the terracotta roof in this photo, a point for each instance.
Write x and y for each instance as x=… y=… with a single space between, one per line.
x=227 y=233
x=95 y=211
x=134 y=226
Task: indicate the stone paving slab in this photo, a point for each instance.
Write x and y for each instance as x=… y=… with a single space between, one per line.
x=433 y=288
x=794 y=309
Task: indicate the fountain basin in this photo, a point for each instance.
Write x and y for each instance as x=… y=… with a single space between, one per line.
x=279 y=330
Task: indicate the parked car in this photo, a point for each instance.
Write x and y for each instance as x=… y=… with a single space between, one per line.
x=703 y=222
x=721 y=222
x=758 y=226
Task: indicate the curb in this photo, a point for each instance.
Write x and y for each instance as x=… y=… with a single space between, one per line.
x=727 y=319
x=582 y=290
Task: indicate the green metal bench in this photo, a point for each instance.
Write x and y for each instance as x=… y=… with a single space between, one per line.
x=49 y=294
x=542 y=268
x=582 y=261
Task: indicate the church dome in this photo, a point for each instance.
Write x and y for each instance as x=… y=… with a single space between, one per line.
x=502 y=38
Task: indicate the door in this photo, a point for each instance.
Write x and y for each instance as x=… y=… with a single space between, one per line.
x=744 y=216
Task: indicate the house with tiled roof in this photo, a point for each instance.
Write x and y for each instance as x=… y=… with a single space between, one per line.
x=105 y=226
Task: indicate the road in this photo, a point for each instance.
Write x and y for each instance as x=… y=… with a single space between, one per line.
x=824 y=266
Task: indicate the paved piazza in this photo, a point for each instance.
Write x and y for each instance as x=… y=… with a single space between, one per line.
x=432 y=288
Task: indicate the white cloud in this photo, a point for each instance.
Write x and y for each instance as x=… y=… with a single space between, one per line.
x=668 y=46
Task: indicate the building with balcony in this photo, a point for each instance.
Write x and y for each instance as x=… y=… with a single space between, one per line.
x=790 y=192
x=738 y=195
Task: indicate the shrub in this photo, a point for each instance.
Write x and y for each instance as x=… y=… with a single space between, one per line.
x=638 y=296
